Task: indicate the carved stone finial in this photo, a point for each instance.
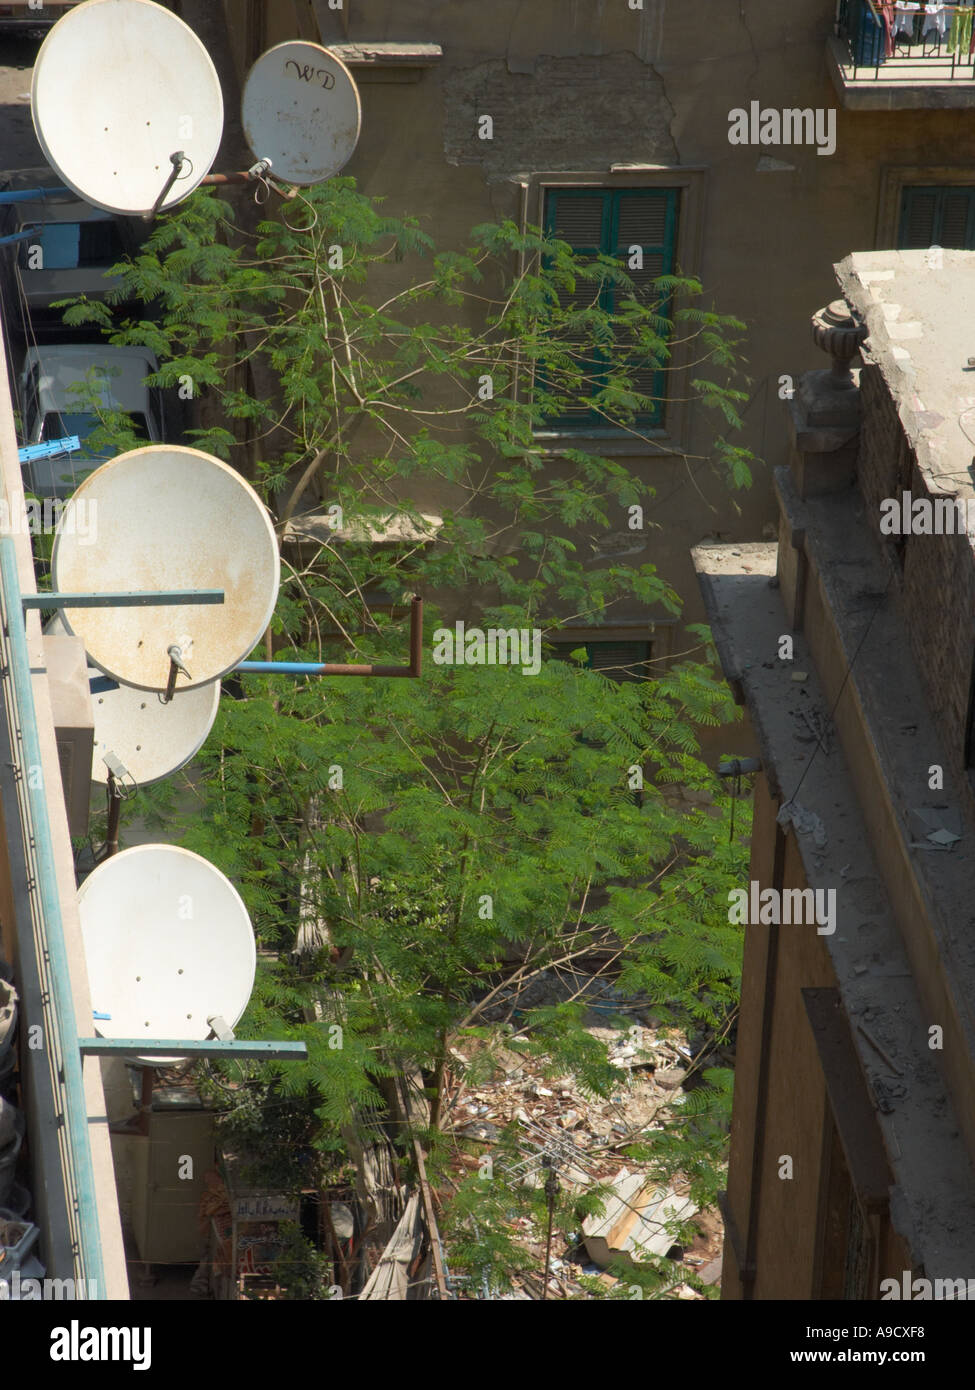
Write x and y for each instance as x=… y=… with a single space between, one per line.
x=838 y=331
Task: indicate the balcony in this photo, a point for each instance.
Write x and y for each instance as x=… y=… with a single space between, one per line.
x=892 y=55
x=65 y=1180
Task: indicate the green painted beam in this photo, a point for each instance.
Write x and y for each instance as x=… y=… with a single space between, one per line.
x=176 y=1047
x=138 y=598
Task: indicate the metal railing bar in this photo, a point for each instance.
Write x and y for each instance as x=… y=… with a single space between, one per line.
x=74 y=1128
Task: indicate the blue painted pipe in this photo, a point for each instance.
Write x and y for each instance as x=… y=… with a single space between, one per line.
x=25 y=235
x=49 y=449
x=282 y=668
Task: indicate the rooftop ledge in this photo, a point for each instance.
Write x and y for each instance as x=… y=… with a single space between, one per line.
x=932 y=1202
x=901 y=83
x=387 y=55
x=394 y=529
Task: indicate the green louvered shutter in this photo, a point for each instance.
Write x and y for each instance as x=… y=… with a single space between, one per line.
x=611 y=221
x=932 y=216
x=582 y=218
x=620 y=661
x=648 y=218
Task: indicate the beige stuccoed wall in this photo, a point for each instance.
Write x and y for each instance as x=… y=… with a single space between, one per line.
x=577 y=85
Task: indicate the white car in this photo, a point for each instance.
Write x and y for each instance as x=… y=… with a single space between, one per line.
x=50 y=410
x=72 y=246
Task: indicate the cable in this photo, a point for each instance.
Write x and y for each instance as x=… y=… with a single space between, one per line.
x=839 y=693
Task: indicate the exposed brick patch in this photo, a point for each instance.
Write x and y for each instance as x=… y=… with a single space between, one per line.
x=937 y=573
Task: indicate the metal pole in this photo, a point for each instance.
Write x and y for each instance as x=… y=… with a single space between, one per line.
x=312 y=668
x=739 y=767
x=551 y=1191
x=176 y=159
x=145 y=1110
x=175 y=666
x=416 y=637
x=183 y=1047
x=75 y=1116
x=257 y=172
x=25 y=235
x=114 y=811
x=136 y=598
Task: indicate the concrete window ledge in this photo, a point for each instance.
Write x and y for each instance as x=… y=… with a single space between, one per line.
x=422 y=55
x=388 y=62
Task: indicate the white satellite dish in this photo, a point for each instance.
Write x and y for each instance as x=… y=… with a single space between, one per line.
x=119 y=87
x=168 y=944
x=150 y=739
x=301 y=110
x=168 y=517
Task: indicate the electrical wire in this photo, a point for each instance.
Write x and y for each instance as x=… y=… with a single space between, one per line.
x=846 y=677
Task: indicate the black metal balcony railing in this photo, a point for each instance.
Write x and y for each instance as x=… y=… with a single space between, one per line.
x=891 y=40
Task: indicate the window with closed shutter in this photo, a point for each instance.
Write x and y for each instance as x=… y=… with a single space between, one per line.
x=611 y=222
x=933 y=216
x=620 y=661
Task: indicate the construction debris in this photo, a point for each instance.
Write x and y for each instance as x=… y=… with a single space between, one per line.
x=635 y=1221
x=562 y=1124
x=390 y=1280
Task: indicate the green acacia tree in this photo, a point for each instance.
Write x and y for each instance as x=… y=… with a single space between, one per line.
x=406 y=847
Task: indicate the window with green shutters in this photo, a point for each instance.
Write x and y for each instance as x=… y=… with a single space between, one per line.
x=933 y=216
x=611 y=222
x=620 y=661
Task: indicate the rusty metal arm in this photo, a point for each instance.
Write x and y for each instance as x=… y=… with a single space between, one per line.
x=311 y=668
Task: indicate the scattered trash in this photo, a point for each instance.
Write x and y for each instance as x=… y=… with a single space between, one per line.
x=481 y=1130
x=635 y=1221
x=582 y=1134
x=940 y=826
x=16 y=1241
x=804 y=821
x=670 y=1077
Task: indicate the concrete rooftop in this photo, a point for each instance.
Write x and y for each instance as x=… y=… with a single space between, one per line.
x=920 y=309
x=932 y=1202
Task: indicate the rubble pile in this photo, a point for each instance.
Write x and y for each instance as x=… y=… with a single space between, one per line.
x=589 y=1133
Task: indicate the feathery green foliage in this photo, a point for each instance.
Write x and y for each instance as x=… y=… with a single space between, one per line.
x=411 y=838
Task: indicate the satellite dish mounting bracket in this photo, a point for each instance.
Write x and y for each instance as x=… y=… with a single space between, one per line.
x=176 y=159
x=175 y=655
